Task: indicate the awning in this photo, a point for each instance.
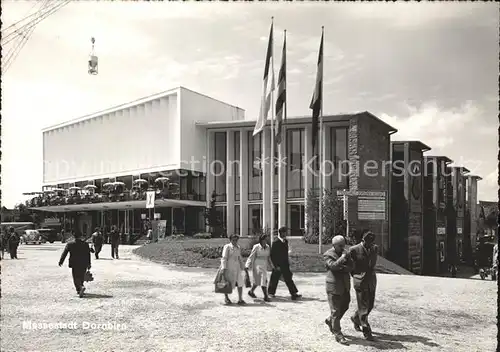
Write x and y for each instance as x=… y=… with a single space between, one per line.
x=135 y=204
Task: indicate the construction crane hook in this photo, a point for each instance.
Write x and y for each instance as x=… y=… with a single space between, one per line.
x=93 y=61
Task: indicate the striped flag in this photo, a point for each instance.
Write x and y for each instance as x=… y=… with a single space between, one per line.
x=317 y=96
x=265 y=104
x=281 y=100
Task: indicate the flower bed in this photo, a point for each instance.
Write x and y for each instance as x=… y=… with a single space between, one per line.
x=206 y=253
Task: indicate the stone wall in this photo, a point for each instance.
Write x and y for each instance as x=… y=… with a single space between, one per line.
x=369 y=140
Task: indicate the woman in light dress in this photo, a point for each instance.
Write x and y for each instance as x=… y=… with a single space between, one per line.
x=233 y=266
x=260 y=262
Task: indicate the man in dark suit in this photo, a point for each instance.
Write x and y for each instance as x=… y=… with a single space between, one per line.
x=115 y=241
x=13 y=242
x=97 y=240
x=364 y=256
x=281 y=263
x=79 y=261
x=339 y=264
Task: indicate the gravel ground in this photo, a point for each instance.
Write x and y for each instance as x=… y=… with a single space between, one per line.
x=167 y=308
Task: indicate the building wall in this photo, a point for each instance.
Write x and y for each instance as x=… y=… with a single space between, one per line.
x=429 y=213
x=369 y=142
x=472 y=209
x=414 y=195
x=195 y=107
x=143 y=136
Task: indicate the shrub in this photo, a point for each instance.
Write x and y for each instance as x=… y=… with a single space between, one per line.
x=178 y=237
x=203 y=236
x=207 y=251
x=333 y=221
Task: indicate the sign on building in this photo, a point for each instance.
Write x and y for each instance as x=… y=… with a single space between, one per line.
x=372 y=205
x=150 y=199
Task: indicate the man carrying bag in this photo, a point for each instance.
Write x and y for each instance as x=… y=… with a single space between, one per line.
x=79 y=261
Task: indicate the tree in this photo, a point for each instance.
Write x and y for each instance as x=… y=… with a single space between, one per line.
x=24 y=214
x=333 y=221
x=491 y=219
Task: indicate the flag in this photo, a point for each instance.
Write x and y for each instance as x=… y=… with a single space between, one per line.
x=265 y=104
x=281 y=100
x=317 y=96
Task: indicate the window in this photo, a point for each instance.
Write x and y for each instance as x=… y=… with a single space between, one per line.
x=221 y=215
x=256 y=153
x=295 y=159
x=219 y=166
x=296 y=219
x=254 y=167
x=340 y=159
x=237 y=219
x=236 y=166
x=255 y=217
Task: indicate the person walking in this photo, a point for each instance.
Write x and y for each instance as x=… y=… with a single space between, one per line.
x=13 y=243
x=364 y=256
x=115 y=241
x=339 y=264
x=494 y=268
x=79 y=261
x=3 y=235
x=97 y=240
x=281 y=266
x=232 y=266
x=260 y=260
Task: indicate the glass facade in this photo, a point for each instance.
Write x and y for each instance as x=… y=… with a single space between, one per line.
x=221 y=215
x=236 y=166
x=237 y=224
x=254 y=218
x=339 y=157
x=219 y=165
x=296 y=219
x=254 y=167
x=295 y=158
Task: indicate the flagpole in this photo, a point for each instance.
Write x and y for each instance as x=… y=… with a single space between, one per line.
x=284 y=133
x=272 y=137
x=321 y=154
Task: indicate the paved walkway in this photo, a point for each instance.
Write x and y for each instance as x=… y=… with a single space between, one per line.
x=135 y=305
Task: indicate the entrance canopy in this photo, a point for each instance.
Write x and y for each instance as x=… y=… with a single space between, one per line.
x=136 y=204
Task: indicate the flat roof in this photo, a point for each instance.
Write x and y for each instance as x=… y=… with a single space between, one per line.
x=463 y=169
x=131 y=104
x=292 y=120
x=439 y=157
x=479 y=178
x=423 y=147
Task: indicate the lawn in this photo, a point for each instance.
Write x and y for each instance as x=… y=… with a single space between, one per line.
x=206 y=253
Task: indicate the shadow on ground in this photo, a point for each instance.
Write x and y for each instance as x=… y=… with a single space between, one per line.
x=96 y=295
x=281 y=299
x=386 y=342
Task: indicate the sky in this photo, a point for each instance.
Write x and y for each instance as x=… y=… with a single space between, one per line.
x=428 y=69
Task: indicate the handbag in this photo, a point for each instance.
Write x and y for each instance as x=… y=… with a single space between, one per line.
x=247 y=280
x=88 y=276
x=221 y=284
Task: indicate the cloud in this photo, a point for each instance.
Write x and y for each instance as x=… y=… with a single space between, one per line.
x=452 y=133
x=411 y=14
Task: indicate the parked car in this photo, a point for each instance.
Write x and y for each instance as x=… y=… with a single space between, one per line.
x=32 y=237
x=49 y=235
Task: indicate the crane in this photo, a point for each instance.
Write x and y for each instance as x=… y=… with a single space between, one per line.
x=15 y=36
